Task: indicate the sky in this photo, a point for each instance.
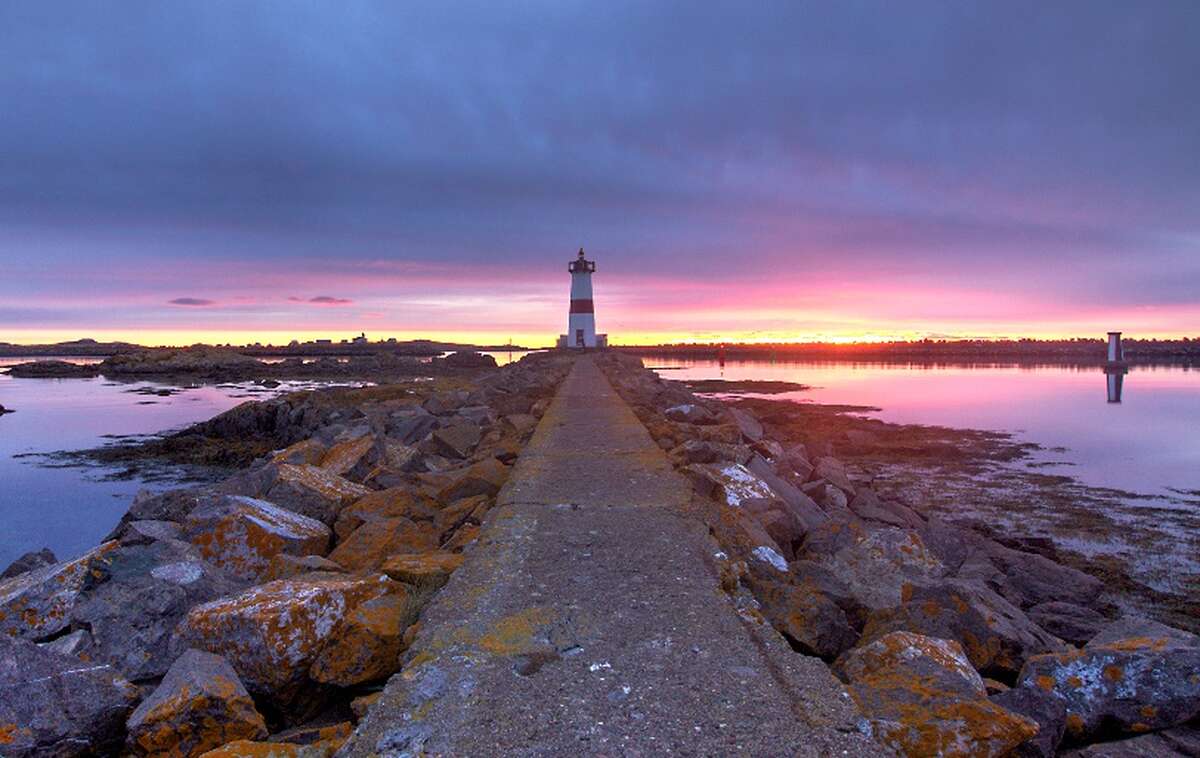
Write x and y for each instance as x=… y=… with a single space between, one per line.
x=173 y=172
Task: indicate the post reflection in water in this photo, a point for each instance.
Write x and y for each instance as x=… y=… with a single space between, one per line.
x=1116 y=382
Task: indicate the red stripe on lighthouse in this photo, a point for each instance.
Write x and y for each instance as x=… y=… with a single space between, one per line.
x=581 y=306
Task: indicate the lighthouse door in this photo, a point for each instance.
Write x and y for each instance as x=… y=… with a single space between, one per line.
x=579 y=338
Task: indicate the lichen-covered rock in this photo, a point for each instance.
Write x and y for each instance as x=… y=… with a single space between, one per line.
x=309 y=451
x=921 y=696
x=242 y=534
x=426 y=571
x=145 y=531
x=200 y=705
x=271 y=634
x=253 y=749
x=878 y=565
x=483 y=478
x=997 y=637
x=344 y=456
x=312 y=491
x=367 y=642
x=394 y=502
x=371 y=544
x=1169 y=743
x=34 y=559
x=811 y=622
x=1137 y=676
x=1048 y=711
x=37 y=604
x=139 y=595
x=729 y=483
x=55 y=705
x=285 y=566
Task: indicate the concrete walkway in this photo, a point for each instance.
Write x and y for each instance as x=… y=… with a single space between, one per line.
x=588 y=620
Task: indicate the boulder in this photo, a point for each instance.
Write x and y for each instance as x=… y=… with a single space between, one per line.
x=457 y=513
x=242 y=534
x=344 y=456
x=1134 y=676
x=483 y=478
x=271 y=634
x=802 y=508
x=411 y=426
x=1169 y=743
x=921 y=697
x=456 y=441
x=1049 y=712
x=691 y=413
x=253 y=749
x=729 y=483
x=1039 y=580
x=394 y=502
x=366 y=644
x=426 y=571
x=869 y=507
x=520 y=423
x=171 y=505
x=469 y=359
x=309 y=451
x=463 y=536
x=312 y=491
x=375 y=541
x=747 y=424
x=879 y=566
x=834 y=471
x=811 y=622
x=137 y=597
x=997 y=637
x=37 y=604
x=50 y=705
x=200 y=705
x=146 y=531
x=285 y=566
x=77 y=643
x=34 y=559
x=1068 y=621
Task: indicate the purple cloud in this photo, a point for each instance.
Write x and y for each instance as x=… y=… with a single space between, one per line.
x=322 y=300
x=195 y=301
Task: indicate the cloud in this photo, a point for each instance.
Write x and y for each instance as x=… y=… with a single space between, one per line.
x=195 y=301
x=322 y=300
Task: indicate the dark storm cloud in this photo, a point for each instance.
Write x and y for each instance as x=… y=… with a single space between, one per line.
x=194 y=301
x=927 y=136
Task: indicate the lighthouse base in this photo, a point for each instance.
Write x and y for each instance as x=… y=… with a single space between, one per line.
x=565 y=343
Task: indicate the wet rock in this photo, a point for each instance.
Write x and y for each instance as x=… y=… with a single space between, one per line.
x=242 y=534
x=691 y=413
x=921 y=696
x=375 y=541
x=1049 y=712
x=1068 y=621
x=37 y=604
x=285 y=566
x=366 y=644
x=28 y=562
x=483 y=478
x=869 y=507
x=137 y=597
x=1135 y=676
x=200 y=705
x=312 y=491
x=52 y=705
x=344 y=456
x=997 y=637
x=309 y=451
x=426 y=571
x=747 y=424
x=394 y=502
x=271 y=634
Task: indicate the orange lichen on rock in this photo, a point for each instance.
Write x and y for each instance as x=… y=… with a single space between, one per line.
x=367 y=643
x=243 y=534
x=426 y=571
x=344 y=456
x=374 y=542
x=395 y=502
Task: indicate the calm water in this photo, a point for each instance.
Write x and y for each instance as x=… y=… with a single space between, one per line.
x=1148 y=443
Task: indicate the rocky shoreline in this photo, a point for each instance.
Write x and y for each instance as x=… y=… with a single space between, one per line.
x=263 y=614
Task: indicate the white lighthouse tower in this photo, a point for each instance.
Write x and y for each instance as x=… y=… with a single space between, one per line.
x=581 y=322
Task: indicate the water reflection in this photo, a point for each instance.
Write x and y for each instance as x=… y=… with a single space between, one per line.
x=1115 y=376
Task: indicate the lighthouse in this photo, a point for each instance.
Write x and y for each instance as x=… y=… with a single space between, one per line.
x=581 y=319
